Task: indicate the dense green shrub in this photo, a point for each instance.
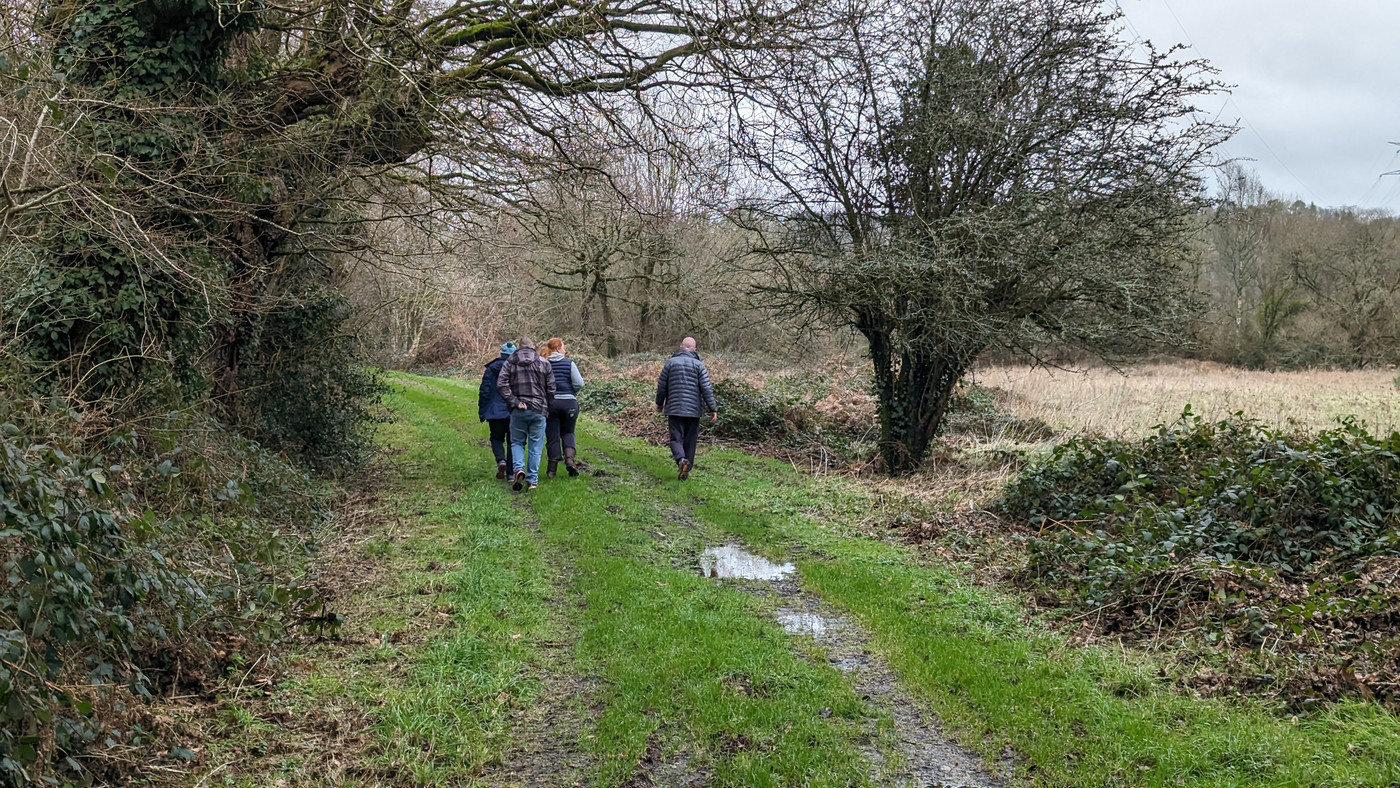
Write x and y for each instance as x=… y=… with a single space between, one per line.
x=123 y=556
x=1227 y=491
x=80 y=594
x=305 y=395
x=751 y=414
x=606 y=397
x=1237 y=531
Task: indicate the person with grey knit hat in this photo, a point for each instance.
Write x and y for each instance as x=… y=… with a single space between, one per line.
x=492 y=409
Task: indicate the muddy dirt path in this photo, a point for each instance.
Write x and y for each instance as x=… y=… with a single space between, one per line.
x=913 y=751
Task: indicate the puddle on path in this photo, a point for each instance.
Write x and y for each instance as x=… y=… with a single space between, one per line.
x=922 y=756
x=732 y=561
x=798 y=623
x=926 y=758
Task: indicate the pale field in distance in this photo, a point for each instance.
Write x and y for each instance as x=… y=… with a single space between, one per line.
x=1104 y=401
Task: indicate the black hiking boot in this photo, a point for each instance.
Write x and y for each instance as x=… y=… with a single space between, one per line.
x=552 y=469
x=571 y=462
x=500 y=470
x=683 y=469
x=519 y=481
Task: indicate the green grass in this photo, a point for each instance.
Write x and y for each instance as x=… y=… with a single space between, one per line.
x=690 y=669
x=438 y=655
x=675 y=667
x=448 y=718
x=1074 y=716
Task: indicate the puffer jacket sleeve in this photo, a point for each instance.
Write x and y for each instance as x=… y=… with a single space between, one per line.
x=707 y=390
x=484 y=394
x=661 y=384
x=503 y=385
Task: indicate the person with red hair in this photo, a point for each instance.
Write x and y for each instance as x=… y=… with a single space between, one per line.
x=563 y=411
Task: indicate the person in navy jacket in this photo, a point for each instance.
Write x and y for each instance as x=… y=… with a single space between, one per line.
x=492 y=409
x=683 y=393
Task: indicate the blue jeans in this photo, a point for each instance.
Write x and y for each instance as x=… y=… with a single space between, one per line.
x=527 y=425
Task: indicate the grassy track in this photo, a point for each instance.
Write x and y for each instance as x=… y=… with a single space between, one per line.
x=689 y=678
x=690 y=672
x=1074 y=716
x=440 y=644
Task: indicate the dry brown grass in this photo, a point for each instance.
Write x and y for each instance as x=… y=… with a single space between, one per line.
x=1104 y=401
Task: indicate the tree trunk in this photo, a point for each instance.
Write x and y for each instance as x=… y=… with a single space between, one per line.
x=600 y=286
x=586 y=310
x=644 y=310
x=912 y=392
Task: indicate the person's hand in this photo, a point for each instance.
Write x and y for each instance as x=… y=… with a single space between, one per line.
x=521 y=406
x=714 y=417
x=658 y=408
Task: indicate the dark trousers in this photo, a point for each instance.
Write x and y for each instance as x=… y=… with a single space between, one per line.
x=685 y=433
x=500 y=440
x=559 y=430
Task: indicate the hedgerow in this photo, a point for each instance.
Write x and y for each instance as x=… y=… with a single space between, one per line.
x=133 y=560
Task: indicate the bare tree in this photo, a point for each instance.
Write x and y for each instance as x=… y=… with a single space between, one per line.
x=626 y=231
x=1349 y=265
x=970 y=174
x=232 y=156
x=1239 y=233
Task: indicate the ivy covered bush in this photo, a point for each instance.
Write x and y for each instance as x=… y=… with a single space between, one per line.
x=125 y=554
x=752 y=414
x=1248 y=535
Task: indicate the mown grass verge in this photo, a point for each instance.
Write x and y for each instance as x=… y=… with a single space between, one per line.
x=1073 y=716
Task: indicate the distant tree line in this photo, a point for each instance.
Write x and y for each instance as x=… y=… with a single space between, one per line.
x=1289 y=284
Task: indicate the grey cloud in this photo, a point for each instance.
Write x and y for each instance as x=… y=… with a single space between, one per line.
x=1316 y=81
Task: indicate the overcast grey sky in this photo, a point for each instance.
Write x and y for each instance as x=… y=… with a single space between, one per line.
x=1317 y=87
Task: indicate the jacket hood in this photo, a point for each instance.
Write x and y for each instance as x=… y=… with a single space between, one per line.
x=557 y=356
x=524 y=355
x=684 y=352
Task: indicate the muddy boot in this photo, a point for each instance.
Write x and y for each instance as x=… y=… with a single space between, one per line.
x=571 y=462
x=553 y=466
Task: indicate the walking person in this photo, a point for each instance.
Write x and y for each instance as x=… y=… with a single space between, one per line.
x=526 y=383
x=681 y=392
x=492 y=409
x=563 y=412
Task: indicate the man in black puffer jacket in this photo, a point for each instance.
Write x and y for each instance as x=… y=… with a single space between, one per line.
x=681 y=391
